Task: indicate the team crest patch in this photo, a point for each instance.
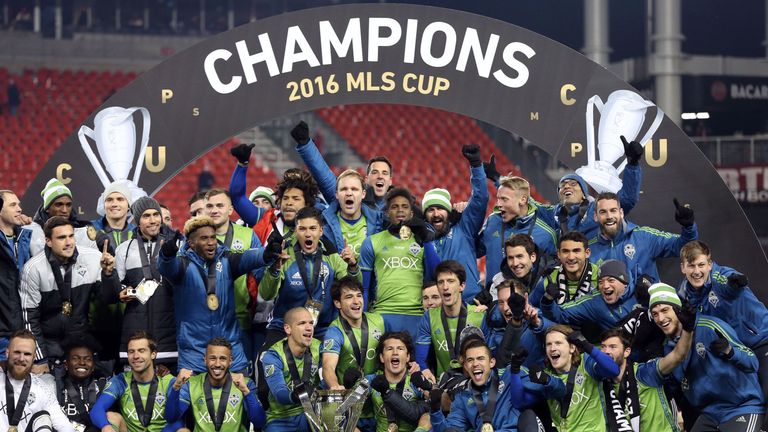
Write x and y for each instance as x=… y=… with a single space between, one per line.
x=31 y=398
x=324 y=271
x=579 y=378
x=237 y=245
x=376 y=334
x=219 y=266
x=414 y=248
x=327 y=344
x=234 y=400
x=501 y=386
x=200 y=401
x=81 y=270
x=701 y=350
x=629 y=250
x=269 y=370
x=408 y=393
x=713 y=300
x=160 y=398
x=684 y=384
x=314 y=368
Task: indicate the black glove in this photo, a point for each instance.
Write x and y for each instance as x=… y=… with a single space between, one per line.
x=242 y=152
x=300 y=133
x=683 y=214
x=516 y=305
x=380 y=384
x=516 y=359
x=421 y=232
x=491 y=173
x=484 y=298
x=580 y=342
x=551 y=292
x=455 y=385
x=720 y=346
x=298 y=390
x=687 y=317
x=537 y=375
x=274 y=247
x=435 y=399
x=632 y=150
x=641 y=289
x=471 y=152
x=454 y=217
x=738 y=280
x=169 y=247
x=417 y=379
x=351 y=375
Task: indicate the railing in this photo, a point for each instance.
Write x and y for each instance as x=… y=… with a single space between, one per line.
x=734 y=150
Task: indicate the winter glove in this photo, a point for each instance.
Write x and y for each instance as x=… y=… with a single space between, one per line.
x=300 y=133
x=490 y=169
x=169 y=247
x=720 y=346
x=632 y=150
x=242 y=152
x=516 y=305
x=551 y=293
x=417 y=379
x=737 y=280
x=435 y=399
x=641 y=289
x=484 y=298
x=380 y=384
x=274 y=247
x=687 y=317
x=298 y=390
x=351 y=375
x=579 y=341
x=516 y=359
x=421 y=233
x=683 y=214
x=471 y=152
x=537 y=375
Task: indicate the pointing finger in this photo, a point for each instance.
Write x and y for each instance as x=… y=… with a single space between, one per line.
x=624 y=141
x=677 y=203
x=106 y=245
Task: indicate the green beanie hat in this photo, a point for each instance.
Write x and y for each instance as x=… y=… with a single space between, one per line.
x=436 y=197
x=263 y=192
x=663 y=293
x=53 y=190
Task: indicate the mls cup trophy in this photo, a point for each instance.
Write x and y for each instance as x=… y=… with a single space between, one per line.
x=623 y=114
x=335 y=410
x=115 y=137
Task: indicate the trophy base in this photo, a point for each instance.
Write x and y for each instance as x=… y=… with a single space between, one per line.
x=601 y=176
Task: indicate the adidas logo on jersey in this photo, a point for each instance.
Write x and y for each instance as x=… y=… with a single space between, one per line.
x=741 y=420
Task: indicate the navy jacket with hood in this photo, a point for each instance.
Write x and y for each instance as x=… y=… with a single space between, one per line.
x=591 y=309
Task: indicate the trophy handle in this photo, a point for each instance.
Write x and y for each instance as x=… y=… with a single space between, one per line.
x=146 y=122
x=81 y=134
x=651 y=130
x=591 y=103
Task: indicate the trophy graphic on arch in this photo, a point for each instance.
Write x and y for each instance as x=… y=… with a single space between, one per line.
x=115 y=135
x=623 y=114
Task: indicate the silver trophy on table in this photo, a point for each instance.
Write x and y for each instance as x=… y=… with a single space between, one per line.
x=335 y=410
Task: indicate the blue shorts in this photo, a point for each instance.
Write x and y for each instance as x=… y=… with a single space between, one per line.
x=288 y=424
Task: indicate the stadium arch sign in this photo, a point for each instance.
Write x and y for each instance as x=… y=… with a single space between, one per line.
x=469 y=64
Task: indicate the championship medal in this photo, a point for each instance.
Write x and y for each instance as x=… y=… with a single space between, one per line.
x=13 y=429
x=487 y=427
x=91 y=232
x=213 y=302
x=314 y=309
x=66 y=308
x=405 y=232
x=392 y=427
